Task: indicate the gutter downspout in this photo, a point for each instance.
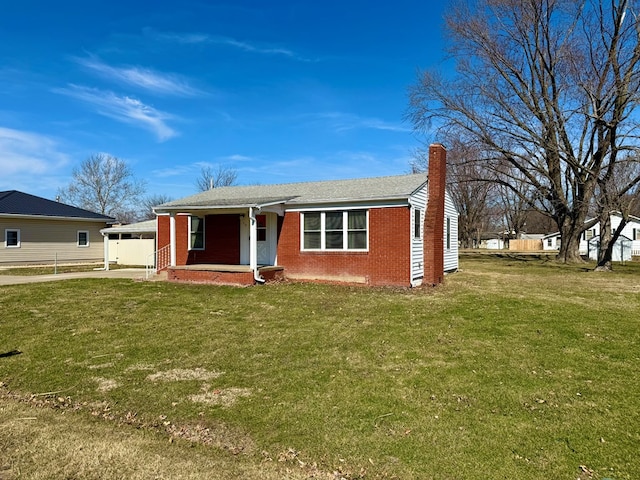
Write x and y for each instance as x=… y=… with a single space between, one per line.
x=253 y=246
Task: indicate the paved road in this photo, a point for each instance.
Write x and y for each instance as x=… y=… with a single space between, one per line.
x=133 y=273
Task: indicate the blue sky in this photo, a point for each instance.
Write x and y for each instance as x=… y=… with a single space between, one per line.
x=280 y=91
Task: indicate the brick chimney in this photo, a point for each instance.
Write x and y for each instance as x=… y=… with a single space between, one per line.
x=434 y=218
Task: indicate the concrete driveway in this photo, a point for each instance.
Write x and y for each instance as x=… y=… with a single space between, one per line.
x=132 y=273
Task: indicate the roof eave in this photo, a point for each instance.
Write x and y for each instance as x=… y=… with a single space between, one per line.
x=56 y=217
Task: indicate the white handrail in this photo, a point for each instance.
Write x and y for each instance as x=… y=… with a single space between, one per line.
x=160 y=259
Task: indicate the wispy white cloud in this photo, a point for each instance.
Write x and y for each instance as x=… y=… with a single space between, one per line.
x=26 y=155
x=341 y=122
x=144 y=78
x=124 y=109
x=236 y=158
x=176 y=171
x=244 y=45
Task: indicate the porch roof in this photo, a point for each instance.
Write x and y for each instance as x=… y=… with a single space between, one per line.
x=306 y=193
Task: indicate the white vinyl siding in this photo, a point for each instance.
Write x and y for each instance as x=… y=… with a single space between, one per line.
x=450 y=235
x=335 y=230
x=418 y=202
x=45 y=240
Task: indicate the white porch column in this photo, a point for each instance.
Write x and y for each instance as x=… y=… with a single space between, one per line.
x=172 y=238
x=105 y=239
x=253 y=240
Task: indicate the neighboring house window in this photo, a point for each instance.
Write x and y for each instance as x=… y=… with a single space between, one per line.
x=448 y=233
x=635 y=234
x=417 y=214
x=549 y=242
x=12 y=238
x=196 y=233
x=334 y=230
x=83 y=238
x=589 y=234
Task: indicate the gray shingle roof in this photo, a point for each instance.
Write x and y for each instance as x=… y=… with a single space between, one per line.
x=148 y=226
x=13 y=202
x=305 y=193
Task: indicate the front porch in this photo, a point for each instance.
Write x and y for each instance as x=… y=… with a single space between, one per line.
x=216 y=274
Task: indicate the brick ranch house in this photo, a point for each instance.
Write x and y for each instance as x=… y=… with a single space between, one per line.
x=396 y=231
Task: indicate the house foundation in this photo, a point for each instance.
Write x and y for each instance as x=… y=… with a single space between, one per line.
x=222 y=274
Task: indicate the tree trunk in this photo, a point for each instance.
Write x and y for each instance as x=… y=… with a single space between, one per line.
x=605 y=249
x=569 y=251
x=608 y=239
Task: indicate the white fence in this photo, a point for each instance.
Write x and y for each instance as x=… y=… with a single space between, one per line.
x=131 y=251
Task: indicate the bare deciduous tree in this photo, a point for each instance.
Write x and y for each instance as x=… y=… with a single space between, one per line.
x=472 y=194
x=152 y=201
x=106 y=185
x=211 y=178
x=548 y=86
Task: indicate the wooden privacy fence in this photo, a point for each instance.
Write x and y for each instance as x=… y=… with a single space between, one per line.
x=525 y=245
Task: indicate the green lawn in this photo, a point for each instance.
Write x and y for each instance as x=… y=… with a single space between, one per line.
x=515 y=368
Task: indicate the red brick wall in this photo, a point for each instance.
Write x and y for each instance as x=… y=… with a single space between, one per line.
x=208 y=276
x=386 y=263
x=221 y=235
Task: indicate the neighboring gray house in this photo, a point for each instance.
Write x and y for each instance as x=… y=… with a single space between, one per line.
x=39 y=231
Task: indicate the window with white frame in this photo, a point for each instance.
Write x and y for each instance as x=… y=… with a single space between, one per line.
x=589 y=234
x=417 y=224
x=196 y=233
x=83 y=238
x=448 y=233
x=12 y=238
x=335 y=230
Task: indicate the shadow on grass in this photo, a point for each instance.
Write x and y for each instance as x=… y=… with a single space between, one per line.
x=10 y=354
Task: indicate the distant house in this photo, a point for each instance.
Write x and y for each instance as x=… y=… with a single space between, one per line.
x=132 y=244
x=397 y=230
x=40 y=231
x=628 y=243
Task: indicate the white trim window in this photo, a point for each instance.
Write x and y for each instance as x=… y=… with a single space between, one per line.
x=12 y=238
x=448 y=236
x=335 y=230
x=417 y=223
x=196 y=233
x=83 y=238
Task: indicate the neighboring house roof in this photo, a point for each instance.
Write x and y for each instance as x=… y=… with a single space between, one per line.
x=13 y=202
x=363 y=189
x=148 y=226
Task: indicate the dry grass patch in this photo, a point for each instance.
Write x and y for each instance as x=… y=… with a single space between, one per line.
x=42 y=444
x=105 y=384
x=224 y=397
x=183 y=374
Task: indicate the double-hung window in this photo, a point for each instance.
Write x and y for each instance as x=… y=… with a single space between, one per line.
x=417 y=223
x=196 y=233
x=83 y=238
x=12 y=238
x=335 y=230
